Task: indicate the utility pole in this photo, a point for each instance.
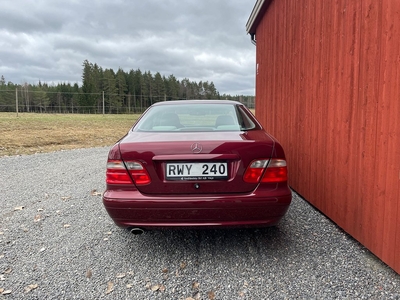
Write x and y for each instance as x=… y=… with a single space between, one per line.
x=16 y=100
x=103 y=104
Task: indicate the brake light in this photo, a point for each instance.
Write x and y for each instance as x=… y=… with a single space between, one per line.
x=264 y=170
x=117 y=173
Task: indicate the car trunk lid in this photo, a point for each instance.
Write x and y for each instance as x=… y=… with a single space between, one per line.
x=196 y=163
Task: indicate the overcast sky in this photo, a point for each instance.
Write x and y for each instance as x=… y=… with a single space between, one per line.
x=196 y=39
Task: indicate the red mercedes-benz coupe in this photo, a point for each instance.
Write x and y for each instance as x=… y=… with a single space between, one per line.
x=196 y=163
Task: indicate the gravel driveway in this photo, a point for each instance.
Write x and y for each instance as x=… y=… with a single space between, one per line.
x=57 y=242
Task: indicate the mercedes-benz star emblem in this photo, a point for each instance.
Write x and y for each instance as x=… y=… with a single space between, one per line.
x=196 y=148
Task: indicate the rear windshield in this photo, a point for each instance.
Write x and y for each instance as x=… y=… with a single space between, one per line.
x=196 y=117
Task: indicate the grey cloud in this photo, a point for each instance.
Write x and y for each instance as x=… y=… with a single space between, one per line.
x=200 y=40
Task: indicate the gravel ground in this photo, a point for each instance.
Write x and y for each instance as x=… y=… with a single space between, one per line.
x=57 y=242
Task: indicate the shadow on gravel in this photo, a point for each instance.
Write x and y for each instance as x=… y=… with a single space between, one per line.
x=211 y=244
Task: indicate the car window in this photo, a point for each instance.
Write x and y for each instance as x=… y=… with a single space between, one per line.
x=194 y=117
x=245 y=121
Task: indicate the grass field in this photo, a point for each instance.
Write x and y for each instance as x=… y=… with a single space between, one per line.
x=35 y=133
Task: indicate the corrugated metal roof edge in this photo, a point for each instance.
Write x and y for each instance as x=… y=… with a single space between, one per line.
x=258 y=11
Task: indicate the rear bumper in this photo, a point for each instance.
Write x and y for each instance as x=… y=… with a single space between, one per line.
x=133 y=209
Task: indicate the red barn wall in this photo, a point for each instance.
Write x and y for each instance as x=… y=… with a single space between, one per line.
x=328 y=88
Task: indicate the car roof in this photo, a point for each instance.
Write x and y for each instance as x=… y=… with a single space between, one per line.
x=178 y=102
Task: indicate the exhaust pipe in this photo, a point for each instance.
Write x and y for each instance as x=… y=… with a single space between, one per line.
x=136 y=231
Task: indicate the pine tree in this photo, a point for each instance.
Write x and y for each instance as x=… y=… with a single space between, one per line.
x=89 y=97
x=121 y=87
x=159 y=88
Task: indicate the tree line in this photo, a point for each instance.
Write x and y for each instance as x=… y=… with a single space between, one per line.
x=105 y=89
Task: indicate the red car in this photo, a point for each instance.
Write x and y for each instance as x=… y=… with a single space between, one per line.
x=196 y=163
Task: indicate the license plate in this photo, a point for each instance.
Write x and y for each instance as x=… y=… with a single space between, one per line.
x=197 y=171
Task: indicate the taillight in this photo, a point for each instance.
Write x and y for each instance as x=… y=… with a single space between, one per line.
x=264 y=170
x=276 y=171
x=117 y=173
x=255 y=171
x=138 y=173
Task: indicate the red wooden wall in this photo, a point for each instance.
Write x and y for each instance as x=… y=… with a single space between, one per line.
x=328 y=87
